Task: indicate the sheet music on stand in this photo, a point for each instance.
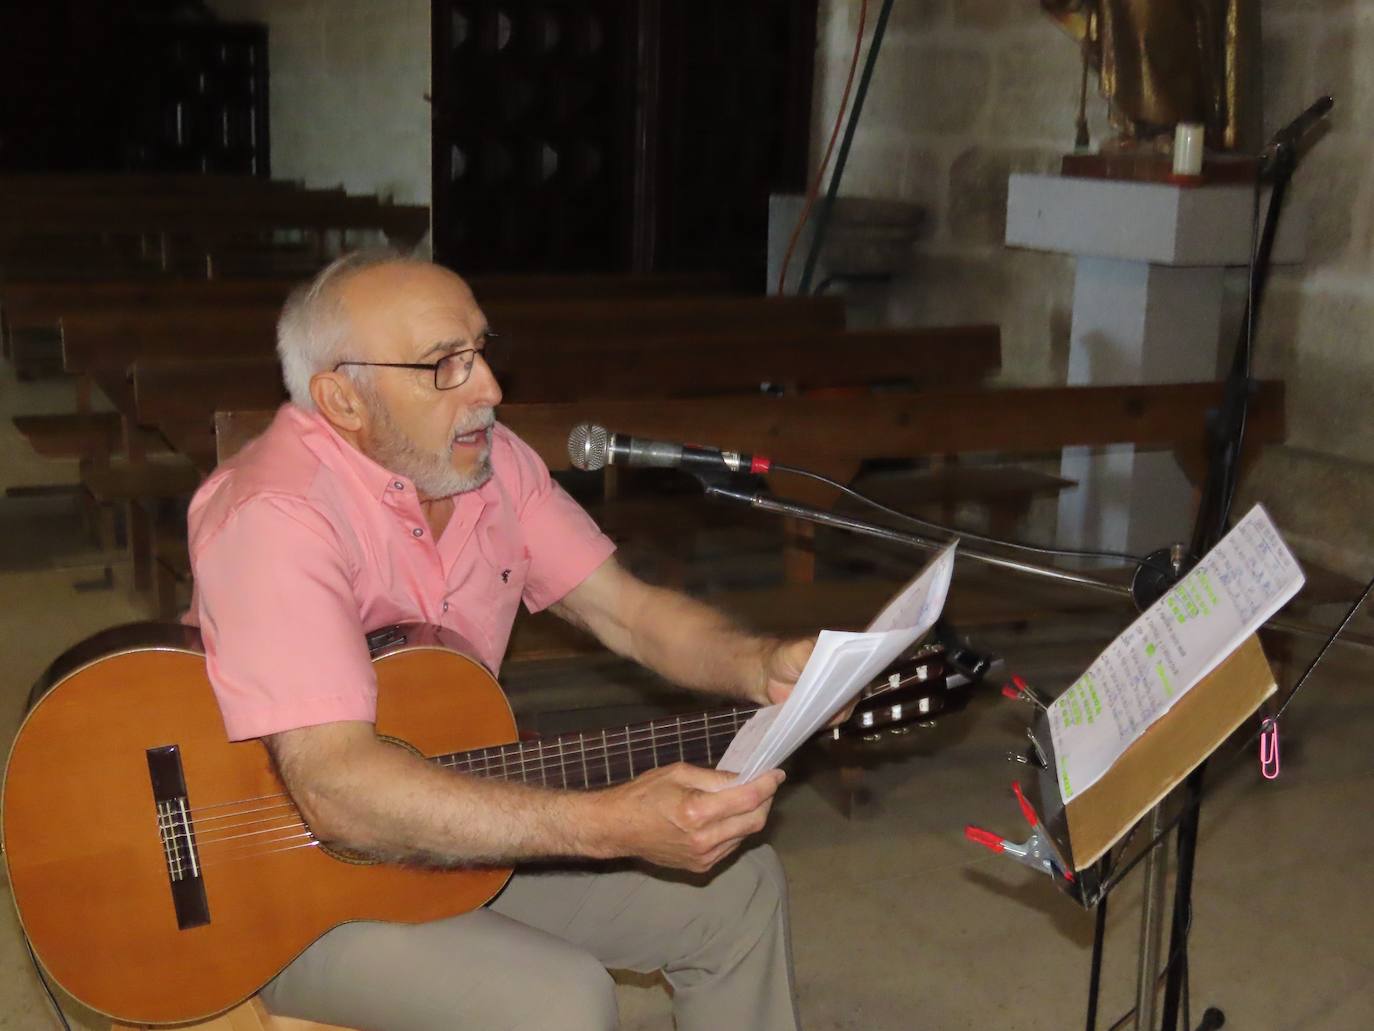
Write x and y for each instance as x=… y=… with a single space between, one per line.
x=842 y=664
x=1133 y=726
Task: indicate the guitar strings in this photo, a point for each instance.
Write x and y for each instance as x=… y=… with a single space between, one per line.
x=615 y=754
x=467 y=761
x=608 y=759
x=594 y=747
x=303 y=836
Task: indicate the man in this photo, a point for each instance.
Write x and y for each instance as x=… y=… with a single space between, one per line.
x=385 y=492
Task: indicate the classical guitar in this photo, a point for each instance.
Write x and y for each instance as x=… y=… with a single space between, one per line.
x=162 y=873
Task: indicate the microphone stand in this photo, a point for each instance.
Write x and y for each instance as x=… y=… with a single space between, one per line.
x=722 y=488
x=1225 y=438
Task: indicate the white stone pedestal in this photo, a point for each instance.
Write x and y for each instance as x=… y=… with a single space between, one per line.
x=1146 y=309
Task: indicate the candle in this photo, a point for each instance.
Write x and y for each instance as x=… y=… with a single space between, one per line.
x=1188 y=138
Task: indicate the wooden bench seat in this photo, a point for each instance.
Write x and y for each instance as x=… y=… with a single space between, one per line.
x=72 y=434
x=141 y=481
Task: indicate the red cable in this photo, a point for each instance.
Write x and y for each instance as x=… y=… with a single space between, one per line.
x=830 y=147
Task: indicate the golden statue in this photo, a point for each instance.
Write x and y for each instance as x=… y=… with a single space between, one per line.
x=1167 y=61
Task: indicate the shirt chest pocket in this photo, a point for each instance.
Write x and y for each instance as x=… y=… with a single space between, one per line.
x=507 y=563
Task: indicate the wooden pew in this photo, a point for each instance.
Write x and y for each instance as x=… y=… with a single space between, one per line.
x=102 y=347
x=802 y=431
x=179 y=397
x=123 y=184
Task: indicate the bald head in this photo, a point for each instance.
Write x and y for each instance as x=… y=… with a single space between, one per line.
x=356 y=308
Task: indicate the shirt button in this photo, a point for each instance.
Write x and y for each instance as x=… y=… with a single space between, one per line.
x=399 y=485
x=445 y=606
x=418 y=532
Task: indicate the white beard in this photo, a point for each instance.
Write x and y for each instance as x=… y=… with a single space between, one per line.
x=432 y=472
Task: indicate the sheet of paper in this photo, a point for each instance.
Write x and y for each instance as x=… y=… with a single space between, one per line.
x=1177 y=641
x=842 y=664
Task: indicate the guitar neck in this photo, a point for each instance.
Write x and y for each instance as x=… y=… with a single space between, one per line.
x=599 y=758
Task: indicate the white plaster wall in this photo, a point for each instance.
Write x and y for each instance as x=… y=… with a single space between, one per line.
x=348 y=81
x=968 y=90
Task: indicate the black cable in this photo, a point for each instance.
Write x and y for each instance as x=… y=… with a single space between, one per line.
x=38 y=969
x=1245 y=359
x=828 y=202
x=1036 y=549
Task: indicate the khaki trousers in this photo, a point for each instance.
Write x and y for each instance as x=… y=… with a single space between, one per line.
x=536 y=957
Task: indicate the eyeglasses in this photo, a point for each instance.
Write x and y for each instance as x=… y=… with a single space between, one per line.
x=452 y=370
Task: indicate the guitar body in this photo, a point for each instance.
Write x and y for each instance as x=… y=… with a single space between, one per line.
x=159 y=913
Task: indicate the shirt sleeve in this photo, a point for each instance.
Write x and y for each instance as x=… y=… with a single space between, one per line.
x=564 y=543
x=284 y=643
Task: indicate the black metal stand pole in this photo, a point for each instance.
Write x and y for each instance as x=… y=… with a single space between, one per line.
x=1225 y=439
x=1095 y=976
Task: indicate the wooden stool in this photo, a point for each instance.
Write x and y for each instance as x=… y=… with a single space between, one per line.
x=247 y=1016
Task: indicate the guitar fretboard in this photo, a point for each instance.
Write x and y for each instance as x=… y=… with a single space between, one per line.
x=596 y=759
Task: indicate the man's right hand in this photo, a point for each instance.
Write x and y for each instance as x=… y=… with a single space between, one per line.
x=682 y=816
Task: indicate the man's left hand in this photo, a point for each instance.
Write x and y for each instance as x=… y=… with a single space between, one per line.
x=783 y=663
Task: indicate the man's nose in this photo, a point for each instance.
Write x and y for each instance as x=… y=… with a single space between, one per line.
x=483 y=388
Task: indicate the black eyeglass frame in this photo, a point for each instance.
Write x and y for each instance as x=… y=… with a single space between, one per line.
x=434 y=367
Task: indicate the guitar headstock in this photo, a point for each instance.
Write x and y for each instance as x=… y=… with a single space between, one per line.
x=931 y=681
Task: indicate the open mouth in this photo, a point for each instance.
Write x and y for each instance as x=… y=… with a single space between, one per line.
x=473 y=438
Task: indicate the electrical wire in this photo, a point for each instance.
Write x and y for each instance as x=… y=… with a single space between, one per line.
x=1035 y=549
x=815 y=190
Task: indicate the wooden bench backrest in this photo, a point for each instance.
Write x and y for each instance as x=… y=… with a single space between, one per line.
x=124 y=183
x=120 y=337
x=832 y=435
x=206 y=217
x=180 y=390
x=115 y=341
x=40 y=303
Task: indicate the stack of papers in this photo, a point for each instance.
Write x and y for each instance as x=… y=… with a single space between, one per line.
x=840 y=667
x=1176 y=642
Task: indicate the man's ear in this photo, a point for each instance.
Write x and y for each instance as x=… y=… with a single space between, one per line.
x=337 y=398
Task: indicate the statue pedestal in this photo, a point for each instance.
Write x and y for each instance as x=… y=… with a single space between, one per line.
x=1146 y=309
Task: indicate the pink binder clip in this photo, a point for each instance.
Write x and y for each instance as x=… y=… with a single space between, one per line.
x=1269 y=748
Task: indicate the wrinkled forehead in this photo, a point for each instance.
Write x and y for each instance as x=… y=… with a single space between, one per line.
x=398 y=312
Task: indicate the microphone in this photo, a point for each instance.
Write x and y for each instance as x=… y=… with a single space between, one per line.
x=592 y=447
x=1292 y=133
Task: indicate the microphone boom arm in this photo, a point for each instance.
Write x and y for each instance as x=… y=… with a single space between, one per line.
x=766 y=502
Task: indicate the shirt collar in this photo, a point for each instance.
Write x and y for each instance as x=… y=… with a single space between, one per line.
x=326 y=442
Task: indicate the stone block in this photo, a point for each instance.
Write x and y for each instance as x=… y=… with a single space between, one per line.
x=1332 y=378
x=996 y=14
x=1320 y=501
x=1334 y=185
x=927 y=88
x=977 y=204
x=1343 y=69
x=1287 y=63
x=1038 y=78
x=875 y=168
x=911 y=15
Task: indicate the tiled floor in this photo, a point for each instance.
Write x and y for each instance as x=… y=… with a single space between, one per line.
x=900 y=923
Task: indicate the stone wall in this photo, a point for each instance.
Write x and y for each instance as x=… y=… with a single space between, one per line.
x=348 y=79
x=966 y=91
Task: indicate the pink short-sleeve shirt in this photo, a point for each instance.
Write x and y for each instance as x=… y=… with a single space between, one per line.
x=300 y=544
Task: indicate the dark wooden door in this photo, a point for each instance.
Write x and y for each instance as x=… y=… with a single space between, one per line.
x=616 y=135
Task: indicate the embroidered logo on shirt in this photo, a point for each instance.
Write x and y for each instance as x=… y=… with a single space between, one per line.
x=505 y=576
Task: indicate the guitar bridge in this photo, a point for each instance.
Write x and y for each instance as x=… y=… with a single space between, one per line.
x=177 y=831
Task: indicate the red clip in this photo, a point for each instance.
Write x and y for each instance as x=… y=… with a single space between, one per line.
x=1026 y=809
x=1269 y=748
x=984 y=838
x=760 y=464
x=1010 y=692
